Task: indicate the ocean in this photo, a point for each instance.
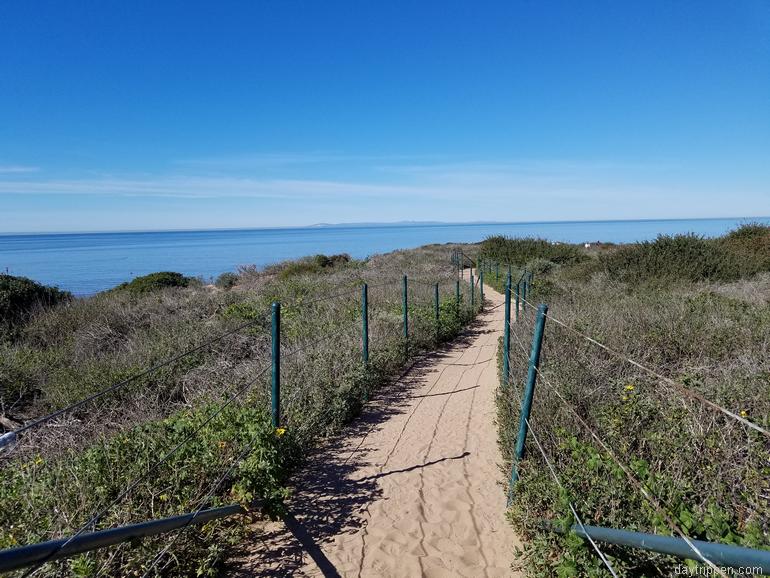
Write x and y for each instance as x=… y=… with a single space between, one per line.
x=85 y=263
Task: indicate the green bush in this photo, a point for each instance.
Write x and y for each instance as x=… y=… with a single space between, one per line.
x=311 y=265
x=81 y=484
x=750 y=243
x=226 y=281
x=741 y=253
x=520 y=251
x=325 y=261
x=671 y=258
x=19 y=297
x=154 y=282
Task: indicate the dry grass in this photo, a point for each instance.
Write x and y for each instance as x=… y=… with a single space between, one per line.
x=709 y=471
x=60 y=474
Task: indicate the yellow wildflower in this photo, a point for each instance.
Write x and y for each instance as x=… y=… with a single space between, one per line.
x=38 y=460
x=163 y=497
x=744 y=413
x=222 y=445
x=630 y=387
x=279 y=431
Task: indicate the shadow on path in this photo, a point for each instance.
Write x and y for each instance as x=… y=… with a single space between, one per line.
x=327 y=502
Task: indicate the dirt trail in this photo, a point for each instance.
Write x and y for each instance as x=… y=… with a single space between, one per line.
x=412 y=488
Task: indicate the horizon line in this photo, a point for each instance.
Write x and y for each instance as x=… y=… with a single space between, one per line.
x=374 y=224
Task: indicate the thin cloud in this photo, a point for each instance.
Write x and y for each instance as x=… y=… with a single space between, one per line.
x=12 y=169
x=277 y=160
x=206 y=187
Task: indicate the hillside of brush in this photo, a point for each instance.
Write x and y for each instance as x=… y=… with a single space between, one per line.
x=197 y=431
x=696 y=311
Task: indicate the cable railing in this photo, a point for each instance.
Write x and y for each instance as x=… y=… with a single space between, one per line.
x=422 y=312
x=437 y=308
x=709 y=553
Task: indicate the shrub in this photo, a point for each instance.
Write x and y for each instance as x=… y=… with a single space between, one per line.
x=226 y=281
x=325 y=261
x=540 y=266
x=520 y=251
x=82 y=483
x=750 y=243
x=154 y=282
x=311 y=265
x=669 y=258
x=20 y=296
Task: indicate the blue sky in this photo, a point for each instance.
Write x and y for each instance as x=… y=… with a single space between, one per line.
x=155 y=115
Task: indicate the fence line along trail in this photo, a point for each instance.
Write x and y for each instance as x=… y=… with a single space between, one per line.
x=412 y=487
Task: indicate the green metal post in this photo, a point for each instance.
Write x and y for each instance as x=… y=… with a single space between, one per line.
x=365 y=321
x=507 y=335
x=481 y=287
x=497 y=271
x=473 y=294
x=276 y=381
x=517 y=302
x=457 y=295
x=435 y=303
x=405 y=305
x=524 y=295
x=529 y=390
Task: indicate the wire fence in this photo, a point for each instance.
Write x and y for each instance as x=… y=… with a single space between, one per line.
x=401 y=318
x=330 y=349
x=528 y=359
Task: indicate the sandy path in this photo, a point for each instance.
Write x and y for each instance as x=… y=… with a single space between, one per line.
x=413 y=487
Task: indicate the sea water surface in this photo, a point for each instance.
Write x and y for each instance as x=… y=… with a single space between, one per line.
x=86 y=263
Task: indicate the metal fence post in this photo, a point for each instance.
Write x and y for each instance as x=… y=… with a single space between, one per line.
x=481 y=287
x=457 y=297
x=524 y=295
x=405 y=306
x=276 y=377
x=365 y=322
x=529 y=390
x=517 y=301
x=473 y=294
x=435 y=303
x=507 y=335
x=497 y=271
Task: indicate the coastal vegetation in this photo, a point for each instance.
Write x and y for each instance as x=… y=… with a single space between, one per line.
x=154 y=281
x=21 y=297
x=197 y=431
x=692 y=309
